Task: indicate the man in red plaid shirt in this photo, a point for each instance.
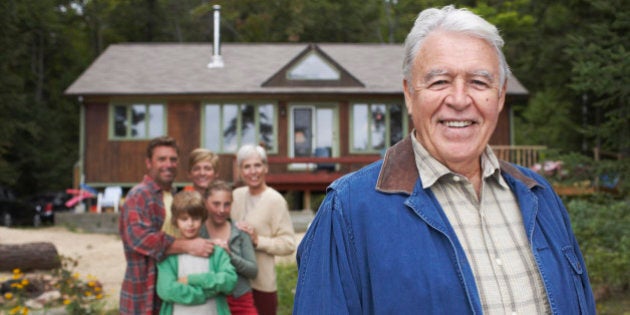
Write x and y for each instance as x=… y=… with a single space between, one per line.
x=140 y=226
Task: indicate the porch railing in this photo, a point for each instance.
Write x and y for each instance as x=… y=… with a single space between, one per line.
x=525 y=155
x=318 y=171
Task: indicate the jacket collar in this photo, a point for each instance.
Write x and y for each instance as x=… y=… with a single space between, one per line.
x=399 y=173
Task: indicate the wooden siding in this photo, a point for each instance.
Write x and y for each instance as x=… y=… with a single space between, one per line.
x=501 y=135
x=109 y=161
x=184 y=124
x=122 y=162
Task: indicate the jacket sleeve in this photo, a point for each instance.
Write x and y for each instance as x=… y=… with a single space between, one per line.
x=220 y=279
x=169 y=290
x=327 y=281
x=282 y=239
x=245 y=263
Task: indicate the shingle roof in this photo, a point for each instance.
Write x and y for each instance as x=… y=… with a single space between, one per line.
x=132 y=69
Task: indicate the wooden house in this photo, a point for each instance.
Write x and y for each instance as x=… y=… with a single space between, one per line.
x=321 y=110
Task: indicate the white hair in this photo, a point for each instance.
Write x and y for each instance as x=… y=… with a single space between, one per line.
x=454 y=20
x=250 y=150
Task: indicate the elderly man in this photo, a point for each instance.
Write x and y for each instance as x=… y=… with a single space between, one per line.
x=440 y=225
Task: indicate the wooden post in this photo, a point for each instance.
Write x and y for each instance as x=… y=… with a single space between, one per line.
x=307 y=200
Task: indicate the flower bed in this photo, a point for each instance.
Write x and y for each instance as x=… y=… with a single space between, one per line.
x=62 y=287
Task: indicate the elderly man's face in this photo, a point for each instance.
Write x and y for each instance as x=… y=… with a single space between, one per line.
x=454 y=97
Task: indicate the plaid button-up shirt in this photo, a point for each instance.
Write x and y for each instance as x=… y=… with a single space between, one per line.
x=491 y=231
x=140 y=227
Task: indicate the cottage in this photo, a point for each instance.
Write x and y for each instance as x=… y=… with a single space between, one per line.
x=321 y=110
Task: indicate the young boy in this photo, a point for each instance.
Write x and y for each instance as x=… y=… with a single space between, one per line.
x=189 y=284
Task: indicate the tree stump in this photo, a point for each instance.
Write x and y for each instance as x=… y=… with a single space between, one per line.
x=29 y=256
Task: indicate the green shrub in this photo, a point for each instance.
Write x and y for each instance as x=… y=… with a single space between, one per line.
x=601 y=226
x=581 y=170
x=287 y=279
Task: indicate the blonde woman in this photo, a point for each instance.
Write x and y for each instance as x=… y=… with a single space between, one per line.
x=202 y=169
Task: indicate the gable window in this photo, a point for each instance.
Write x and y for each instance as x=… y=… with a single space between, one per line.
x=313 y=67
x=137 y=121
x=377 y=126
x=227 y=126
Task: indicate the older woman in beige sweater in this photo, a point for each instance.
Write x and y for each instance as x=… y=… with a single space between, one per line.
x=262 y=212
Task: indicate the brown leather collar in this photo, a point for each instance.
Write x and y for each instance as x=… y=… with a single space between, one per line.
x=399 y=173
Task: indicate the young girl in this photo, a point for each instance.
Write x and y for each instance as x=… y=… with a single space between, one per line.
x=189 y=284
x=237 y=243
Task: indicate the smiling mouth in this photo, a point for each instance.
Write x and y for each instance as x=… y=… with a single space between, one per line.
x=457 y=123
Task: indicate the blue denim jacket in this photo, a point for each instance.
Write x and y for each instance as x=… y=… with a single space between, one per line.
x=381 y=244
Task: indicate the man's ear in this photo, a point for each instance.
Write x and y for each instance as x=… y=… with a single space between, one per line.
x=502 y=94
x=408 y=95
x=147 y=162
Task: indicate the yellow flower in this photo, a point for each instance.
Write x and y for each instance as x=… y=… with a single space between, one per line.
x=88 y=293
x=17 y=285
x=17 y=274
x=66 y=301
x=91 y=283
x=99 y=296
x=19 y=310
x=8 y=295
x=24 y=282
x=75 y=275
x=98 y=289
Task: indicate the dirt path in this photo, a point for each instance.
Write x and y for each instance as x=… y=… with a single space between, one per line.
x=99 y=255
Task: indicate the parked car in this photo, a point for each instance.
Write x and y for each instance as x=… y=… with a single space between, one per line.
x=14 y=211
x=52 y=199
x=48 y=203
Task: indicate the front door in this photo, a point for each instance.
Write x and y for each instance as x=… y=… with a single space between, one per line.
x=312 y=131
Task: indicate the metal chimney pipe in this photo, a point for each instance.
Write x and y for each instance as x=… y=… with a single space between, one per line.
x=217 y=60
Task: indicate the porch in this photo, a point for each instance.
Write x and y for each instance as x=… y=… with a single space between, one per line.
x=310 y=175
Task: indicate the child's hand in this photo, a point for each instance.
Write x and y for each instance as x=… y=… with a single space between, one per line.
x=183 y=280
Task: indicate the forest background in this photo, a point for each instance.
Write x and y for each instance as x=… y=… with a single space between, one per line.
x=572 y=56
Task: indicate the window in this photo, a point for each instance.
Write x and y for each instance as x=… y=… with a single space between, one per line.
x=137 y=121
x=227 y=126
x=377 y=126
x=313 y=67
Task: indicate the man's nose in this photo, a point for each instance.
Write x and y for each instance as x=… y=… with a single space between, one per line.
x=459 y=96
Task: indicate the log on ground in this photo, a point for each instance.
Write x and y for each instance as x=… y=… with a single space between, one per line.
x=29 y=256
